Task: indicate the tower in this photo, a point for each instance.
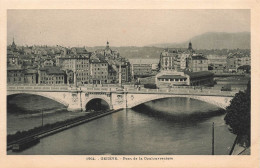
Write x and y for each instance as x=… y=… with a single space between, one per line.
x=13 y=46
x=107 y=50
x=190 y=46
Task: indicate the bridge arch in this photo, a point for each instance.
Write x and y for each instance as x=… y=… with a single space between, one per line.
x=100 y=98
x=218 y=101
x=43 y=94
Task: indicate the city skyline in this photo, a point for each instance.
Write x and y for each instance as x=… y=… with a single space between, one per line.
x=119 y=27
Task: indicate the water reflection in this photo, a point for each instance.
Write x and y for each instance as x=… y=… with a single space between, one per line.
x=178 y=111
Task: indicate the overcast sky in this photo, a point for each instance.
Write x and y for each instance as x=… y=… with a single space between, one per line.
x=119 y=27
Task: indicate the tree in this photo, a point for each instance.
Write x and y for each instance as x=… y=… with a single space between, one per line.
x=238 y=114
x=246 y=68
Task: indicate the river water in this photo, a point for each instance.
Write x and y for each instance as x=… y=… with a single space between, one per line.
x=174 y=126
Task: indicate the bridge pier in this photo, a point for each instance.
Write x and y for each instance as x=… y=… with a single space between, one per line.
x=75 y=102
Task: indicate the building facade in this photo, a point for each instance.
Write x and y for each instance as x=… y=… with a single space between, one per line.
x=78 y=64
x=98 y=71
x=51 y=76
x=15 y=75
x=30 y=76
x=198 y=63
x=185 y=78
x=169 y=60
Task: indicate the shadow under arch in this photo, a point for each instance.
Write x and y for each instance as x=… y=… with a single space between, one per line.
x=221 y=102
x=176 y=117
x=31 y=103
x=97 y=104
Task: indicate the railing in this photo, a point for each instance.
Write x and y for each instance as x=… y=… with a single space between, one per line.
x=173 y=90
x=38 y=87
x=182 y=91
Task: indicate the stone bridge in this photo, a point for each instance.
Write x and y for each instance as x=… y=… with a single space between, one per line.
x=117 y=98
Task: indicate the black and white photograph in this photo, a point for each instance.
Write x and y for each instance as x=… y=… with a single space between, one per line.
x=128 y=82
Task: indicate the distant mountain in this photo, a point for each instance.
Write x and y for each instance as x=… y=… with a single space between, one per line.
x=214 y=40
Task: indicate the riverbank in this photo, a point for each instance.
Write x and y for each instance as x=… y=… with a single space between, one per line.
x=50 y=129
x=23 y=122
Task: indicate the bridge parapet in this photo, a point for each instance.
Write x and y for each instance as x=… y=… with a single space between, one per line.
x=65 y=88
x=38 y=88
x=183 y=91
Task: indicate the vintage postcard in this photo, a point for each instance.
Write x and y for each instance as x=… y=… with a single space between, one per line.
x=129 y=85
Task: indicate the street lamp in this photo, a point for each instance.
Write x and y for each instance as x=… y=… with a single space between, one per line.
x=42 y=118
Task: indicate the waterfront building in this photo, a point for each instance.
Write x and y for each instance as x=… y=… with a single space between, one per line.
x=15 y=75
x=183 y=60
x=143 y=67
x=197 y=63
x=183 y=78
x=51 y=76
x=139 y=70
x=125 y=72
x=98 y=71
x=122 y=69
x=169 y=60
x=77 y=63
x=217 y=63
x=30 y=76
x=176 y=59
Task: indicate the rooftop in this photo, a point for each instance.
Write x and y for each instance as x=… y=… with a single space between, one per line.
x=144 y=61
x=52 y=70
x=198 y=57
x=172 y=77
x=30 y=71
x=198 y=74
x=14 y=68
